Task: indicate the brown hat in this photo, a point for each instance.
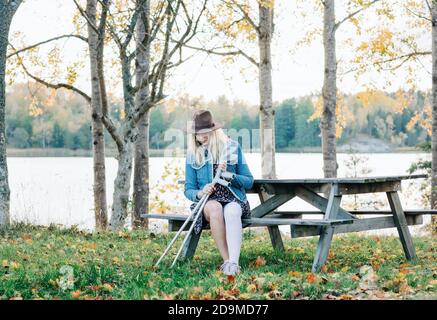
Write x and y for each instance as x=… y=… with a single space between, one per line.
x=203 y=122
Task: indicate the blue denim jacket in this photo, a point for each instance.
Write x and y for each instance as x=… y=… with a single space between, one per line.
x=196 y=177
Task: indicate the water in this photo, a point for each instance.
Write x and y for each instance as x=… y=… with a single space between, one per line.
x=59 y=190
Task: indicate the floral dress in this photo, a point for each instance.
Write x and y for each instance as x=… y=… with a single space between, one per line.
x=223 y=195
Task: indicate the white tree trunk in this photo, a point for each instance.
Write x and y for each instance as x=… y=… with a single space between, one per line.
x=141 y=164
x=329 y=93
x=121 y=188
x=7 y=11
x=267 y=128
x=434 y=116
x=96 y=57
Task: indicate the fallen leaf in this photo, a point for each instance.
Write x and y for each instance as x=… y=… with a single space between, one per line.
x=231 y=279
x=355 y=277
x=251 y=288
x=294 y=274
x=260 y=261
x=76 y=294
x=107 y=287
x=346 y=297
x=310 y=277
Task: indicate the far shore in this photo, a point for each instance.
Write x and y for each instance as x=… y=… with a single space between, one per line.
x=60 y=152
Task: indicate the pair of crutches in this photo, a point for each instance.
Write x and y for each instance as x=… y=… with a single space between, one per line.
x=197 y=211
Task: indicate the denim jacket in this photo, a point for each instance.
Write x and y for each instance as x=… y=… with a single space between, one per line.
x=197 y=176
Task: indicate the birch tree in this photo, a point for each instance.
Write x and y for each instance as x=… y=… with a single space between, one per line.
x=329 y=91
x=171 y=21
x=99 y=107
x=141 y=161
x=97 y=99
x=7 y=10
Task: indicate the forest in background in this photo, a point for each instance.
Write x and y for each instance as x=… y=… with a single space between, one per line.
x=38 y=117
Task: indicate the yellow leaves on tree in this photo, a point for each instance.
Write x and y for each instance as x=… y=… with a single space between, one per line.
x=422 y=118
x=343 y=114
x=231 y=22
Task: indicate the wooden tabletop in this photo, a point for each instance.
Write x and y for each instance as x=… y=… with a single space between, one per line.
x=358 y=180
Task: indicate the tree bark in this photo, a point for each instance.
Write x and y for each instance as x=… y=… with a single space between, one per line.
x=434 y=117
x=121 y=188
x=328 y=120
x=267 y=128
x=96 y=44
x=141 y=164
x=7 y=11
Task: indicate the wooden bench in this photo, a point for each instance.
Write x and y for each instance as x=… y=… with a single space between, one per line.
x=275 y=193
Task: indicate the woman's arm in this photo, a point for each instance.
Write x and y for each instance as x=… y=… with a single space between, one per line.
x=243 y=177
x=191 y=187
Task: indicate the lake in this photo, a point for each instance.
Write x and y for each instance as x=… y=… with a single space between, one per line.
x=59 y=190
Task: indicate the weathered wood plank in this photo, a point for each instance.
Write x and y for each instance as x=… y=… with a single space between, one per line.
x=270 y=204
x=340 y=180
x=357 y=226
x=296 y=214
x=190 y=246
x=370 y=187
x=265 y=208
x=401 y=224
x=415 y=212
x=327 y=232
x=319 y=202
x=302 y=222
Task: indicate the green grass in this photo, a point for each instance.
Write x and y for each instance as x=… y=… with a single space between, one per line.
x=35 y=264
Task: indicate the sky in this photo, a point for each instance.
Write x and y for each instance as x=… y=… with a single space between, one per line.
x=294 y=74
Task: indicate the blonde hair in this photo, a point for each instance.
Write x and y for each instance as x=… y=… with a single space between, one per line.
x=216 y=144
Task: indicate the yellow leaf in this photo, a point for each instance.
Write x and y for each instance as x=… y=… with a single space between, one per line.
x=251 y=288
x=294 y=274
x=344 y=269
x=107 y=287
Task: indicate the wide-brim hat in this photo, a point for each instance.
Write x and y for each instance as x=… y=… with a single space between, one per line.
x=202 y=123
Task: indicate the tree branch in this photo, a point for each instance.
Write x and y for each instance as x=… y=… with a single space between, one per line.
x=246 y=16
x=337 y=25
x=47 y=41
x=404 y=58
x=51 y=85
x=85 y=15
x=418 y=15
x=112 y=129
x=228 y=53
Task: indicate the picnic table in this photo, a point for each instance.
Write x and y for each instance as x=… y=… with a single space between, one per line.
x=325 y=195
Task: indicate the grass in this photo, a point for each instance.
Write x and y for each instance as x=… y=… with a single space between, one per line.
x=53 y=263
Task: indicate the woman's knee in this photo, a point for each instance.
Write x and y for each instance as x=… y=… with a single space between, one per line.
x=232 y=210
x=213 y=210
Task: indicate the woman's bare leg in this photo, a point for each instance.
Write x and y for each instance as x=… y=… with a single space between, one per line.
x=214 y=215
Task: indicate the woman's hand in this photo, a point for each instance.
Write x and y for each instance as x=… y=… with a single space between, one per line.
x=222 y=166
x=207 y=189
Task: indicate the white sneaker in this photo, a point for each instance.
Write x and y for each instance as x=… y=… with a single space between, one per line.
x=231 y=269
x=223 y=267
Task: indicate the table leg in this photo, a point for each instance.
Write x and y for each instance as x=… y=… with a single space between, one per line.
x=326 y=233
x=275 y=234
x=401 y=224
x=191 y=245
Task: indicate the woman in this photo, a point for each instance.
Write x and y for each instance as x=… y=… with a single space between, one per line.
x=209 y=149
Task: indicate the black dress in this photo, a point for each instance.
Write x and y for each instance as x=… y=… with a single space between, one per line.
x=223 y=195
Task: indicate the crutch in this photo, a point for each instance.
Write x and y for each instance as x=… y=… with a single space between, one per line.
x=201 y=201
x=199 y=212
